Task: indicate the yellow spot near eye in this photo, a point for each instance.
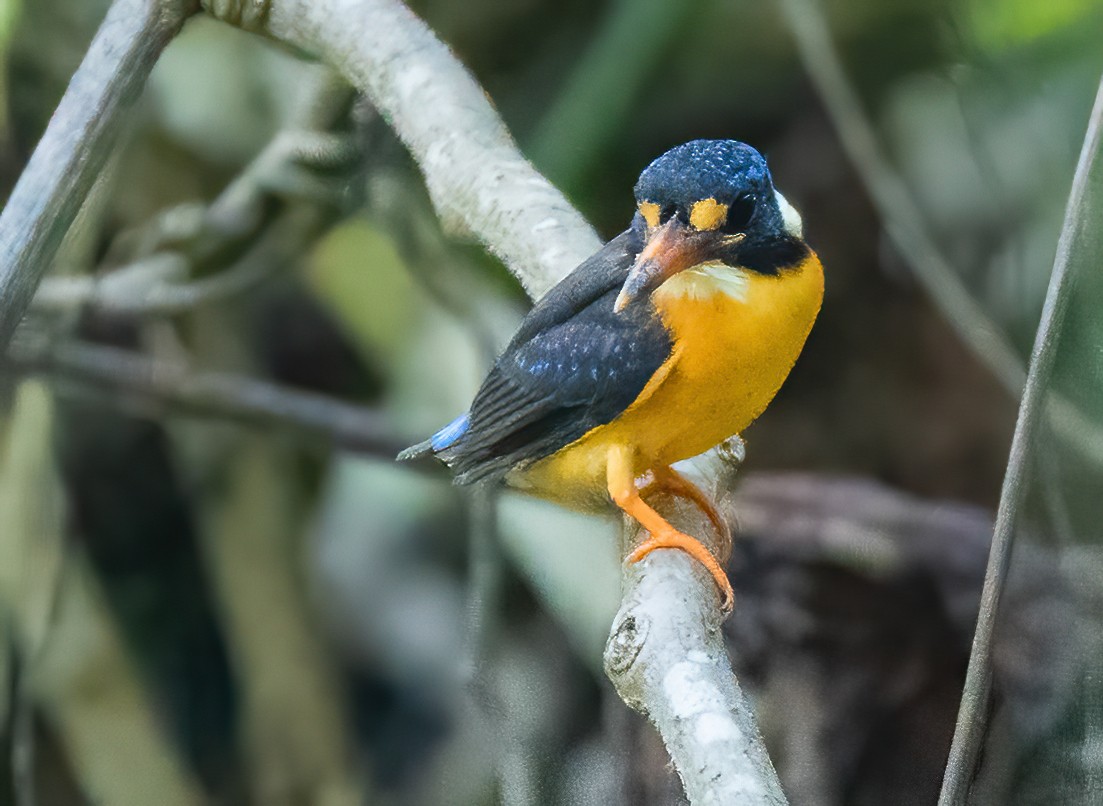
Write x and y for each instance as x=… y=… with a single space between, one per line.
x=650 y=213
x=707 y=214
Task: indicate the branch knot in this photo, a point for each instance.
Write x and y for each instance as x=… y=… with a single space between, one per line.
x=624 y=644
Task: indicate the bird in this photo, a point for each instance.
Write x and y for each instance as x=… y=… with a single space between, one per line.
x=669 y=340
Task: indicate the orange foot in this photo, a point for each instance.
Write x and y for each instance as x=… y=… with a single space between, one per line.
x=622 y=487
x=673 y=539
x=669 y=480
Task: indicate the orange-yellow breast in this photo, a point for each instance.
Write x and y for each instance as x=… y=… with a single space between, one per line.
x=736 y=334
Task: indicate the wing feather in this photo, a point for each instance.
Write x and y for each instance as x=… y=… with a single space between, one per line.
x=573 y=365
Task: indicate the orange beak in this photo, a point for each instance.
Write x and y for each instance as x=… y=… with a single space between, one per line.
x=670 y=249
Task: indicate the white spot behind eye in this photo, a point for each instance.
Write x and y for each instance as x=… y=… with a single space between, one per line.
x=790 y=217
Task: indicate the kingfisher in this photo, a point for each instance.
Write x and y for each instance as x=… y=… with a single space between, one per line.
x=672 y=338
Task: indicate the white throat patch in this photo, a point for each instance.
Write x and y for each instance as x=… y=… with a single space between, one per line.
x=705 y=280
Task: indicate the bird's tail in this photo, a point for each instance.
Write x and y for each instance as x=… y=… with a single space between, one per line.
x=419 y=451
x=442 y=440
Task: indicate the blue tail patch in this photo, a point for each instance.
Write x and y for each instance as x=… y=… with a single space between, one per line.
x=447 y=436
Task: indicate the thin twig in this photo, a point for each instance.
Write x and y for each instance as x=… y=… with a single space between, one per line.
x=903 y=222
x=172 y=387
x=485 y=584
x=273 y=210
x=149 y=286
x=77 y=144
x=901 y=215
x=476 y=177
x=972 y=717
x=485 y=590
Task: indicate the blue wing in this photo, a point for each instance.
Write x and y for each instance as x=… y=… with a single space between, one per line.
x=572 y=366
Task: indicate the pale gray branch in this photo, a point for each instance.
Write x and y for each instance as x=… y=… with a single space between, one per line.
x=677 y=673
x=480 y=183
x=667 y=658
x=153 y=286
x=478 y=180
x=76 y=145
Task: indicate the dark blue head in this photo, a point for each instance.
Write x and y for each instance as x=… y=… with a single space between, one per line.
x=724 y=170
x=705 y=201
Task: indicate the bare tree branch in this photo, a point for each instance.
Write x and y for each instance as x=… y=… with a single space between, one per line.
x=136 y=380
x=667 y=658
x=1076 y=230
x=151 y=286
x=76 y=145
x=268 y=215
x=478 y=182
x=903 y=223
x=477 y=179
x=899 y=212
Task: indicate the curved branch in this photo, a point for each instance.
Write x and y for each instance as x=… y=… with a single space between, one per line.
x=676 y=669
x=261 y=221
x=76 y=145
x=478 y=180
x=899 y=212
x=151 y=286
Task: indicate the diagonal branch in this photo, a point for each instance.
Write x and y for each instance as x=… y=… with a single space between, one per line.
x=899 y=212
x=972 y=717
x=478 y=180
x=76 y=145
x=903 y=219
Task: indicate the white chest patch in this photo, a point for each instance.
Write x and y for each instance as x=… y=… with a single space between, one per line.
x=705 y=280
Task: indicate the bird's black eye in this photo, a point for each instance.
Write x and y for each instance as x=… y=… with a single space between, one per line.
x=740 y=214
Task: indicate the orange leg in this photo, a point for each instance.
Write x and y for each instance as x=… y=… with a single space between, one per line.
x=669 y=480
x=622 y=487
